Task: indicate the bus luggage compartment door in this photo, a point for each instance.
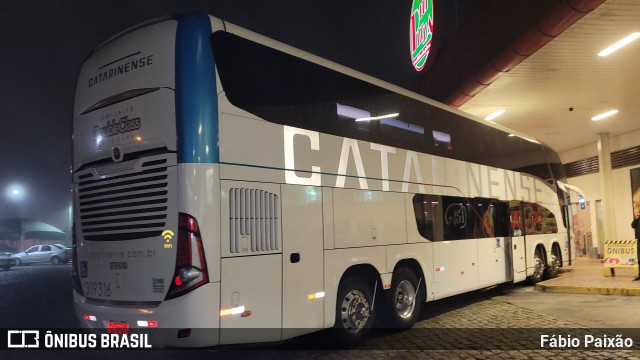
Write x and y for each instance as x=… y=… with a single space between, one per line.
x=303 y=260
x=251 y=299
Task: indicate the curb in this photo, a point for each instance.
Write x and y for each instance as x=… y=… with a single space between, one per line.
x=587 y=290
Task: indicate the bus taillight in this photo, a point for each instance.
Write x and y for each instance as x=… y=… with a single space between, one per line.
x=191 y=265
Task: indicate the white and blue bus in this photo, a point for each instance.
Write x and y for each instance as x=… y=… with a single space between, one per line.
x=226 y=182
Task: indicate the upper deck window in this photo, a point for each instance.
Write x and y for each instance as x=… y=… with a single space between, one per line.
x=285 y=89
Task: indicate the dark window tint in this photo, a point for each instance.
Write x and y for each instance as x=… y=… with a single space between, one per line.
x=515 y=216
x=283 y=89
x=566 y=210
x=482 y=212
x=474 y=218
x=538 y=220
x=458 y=220
x=428 y=212
x=501 y=221
x=45 y=248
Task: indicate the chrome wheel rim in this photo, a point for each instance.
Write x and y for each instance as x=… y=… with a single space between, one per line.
x=538 y=269
x=355 y=311
x=555 y=264
x=405 y=297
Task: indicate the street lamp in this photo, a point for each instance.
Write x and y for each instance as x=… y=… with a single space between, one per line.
x=15 y=199
x=16 y=193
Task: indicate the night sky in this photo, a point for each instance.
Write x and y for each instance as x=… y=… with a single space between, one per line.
x=43 y=44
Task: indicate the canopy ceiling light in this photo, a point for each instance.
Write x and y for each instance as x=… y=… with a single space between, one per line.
x=619 y=44
x=494 y=114
x=604 y=115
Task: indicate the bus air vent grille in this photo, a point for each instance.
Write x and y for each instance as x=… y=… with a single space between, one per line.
x=254 y=223
x=127 y=205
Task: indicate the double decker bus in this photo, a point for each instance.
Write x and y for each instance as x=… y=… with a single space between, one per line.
x=232 y=189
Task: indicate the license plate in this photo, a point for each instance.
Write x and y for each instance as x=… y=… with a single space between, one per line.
x=120 y=328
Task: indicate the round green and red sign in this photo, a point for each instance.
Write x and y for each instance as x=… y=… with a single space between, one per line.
x=421 y=32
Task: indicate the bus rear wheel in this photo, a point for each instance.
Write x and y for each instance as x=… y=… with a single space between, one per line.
x=402 y=302
x=354 y=315
x=553 y=269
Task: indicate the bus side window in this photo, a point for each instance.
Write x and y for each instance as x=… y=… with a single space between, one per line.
x=565 y=215
x=457 y=222
x=539 y=220
x=515 y=216
x=481 y=218
x=501 y=219
x=428 y=213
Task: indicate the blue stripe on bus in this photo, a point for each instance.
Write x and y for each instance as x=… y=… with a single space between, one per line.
x=196 y=92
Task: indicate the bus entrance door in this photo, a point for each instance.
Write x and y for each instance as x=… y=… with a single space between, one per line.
x=503 y=235
x=518 y=247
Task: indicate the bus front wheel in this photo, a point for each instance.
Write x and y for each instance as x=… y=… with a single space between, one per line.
x=354 y=315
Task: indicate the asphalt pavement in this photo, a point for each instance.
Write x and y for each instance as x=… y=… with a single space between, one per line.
x=504 y=322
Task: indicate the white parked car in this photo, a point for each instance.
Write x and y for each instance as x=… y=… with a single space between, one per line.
x=55 y=253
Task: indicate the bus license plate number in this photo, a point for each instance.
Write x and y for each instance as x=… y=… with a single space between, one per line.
x=98 y=288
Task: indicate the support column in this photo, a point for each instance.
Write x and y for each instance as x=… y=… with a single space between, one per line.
x=604 y=162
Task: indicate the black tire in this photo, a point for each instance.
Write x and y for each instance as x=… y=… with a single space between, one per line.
x=354 y=316
x=539 y=267
x=55 y=260
x=402 y=302
x=551 y=271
